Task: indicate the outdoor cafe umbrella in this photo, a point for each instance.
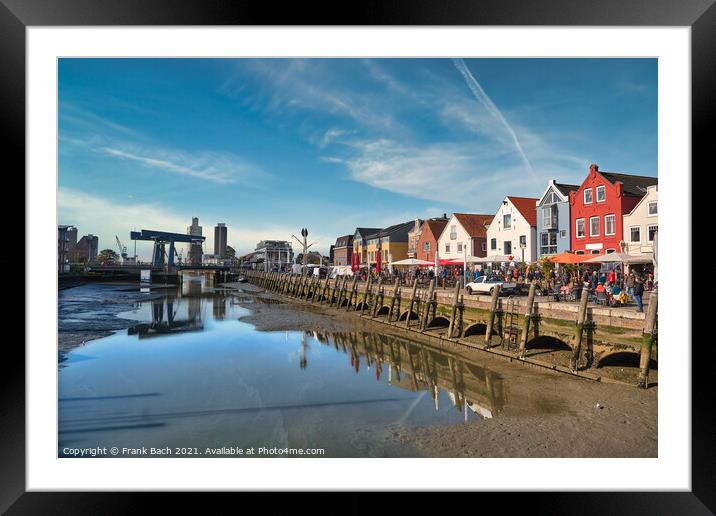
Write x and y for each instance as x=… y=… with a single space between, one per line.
x=495 y=258
x=610 y=258
x=412 y=261
x=571 y=258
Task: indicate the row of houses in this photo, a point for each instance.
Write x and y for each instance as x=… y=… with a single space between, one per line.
x=609 y=212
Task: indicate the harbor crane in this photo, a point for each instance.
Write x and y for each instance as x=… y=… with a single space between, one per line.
x=122 y=249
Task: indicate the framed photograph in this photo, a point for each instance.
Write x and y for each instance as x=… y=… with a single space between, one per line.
x=422 y=251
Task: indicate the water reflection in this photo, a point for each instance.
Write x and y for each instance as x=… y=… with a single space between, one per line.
x=212 y=380
x=416 y=367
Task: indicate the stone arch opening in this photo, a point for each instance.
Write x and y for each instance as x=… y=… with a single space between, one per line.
x=478 y=329
x=404 y=315
x=439 y=322
x=545 y=342
x=624 y=358
x=384 y=310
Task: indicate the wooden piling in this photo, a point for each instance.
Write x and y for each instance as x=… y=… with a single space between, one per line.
x=491 y=318
x=412 y=302
x=396 y=296
x=374 y=307
x=426 y=308
x=647 y=342
x=353 y=297
x=581 y=318
x=454 y=309
x=365 y=294
x=527 y=320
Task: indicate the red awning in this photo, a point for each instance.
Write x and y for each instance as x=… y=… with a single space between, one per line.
x=450 y=261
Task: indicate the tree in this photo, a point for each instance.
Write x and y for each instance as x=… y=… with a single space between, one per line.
x=107 y=256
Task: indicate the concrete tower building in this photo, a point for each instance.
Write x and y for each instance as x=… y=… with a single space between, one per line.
x=220 y=240
x=195 y=249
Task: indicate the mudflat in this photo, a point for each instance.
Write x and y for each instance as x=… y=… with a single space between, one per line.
x=546 y=414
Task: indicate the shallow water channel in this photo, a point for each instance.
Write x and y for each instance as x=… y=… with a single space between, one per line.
x=188 y=378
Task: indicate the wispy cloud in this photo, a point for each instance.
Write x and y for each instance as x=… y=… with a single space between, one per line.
x=220 y=168
x=485 y=100
x=99 y=135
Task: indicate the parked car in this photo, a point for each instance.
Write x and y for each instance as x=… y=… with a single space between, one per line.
x=485 y=285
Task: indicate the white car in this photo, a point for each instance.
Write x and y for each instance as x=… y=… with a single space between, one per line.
x=483 y=285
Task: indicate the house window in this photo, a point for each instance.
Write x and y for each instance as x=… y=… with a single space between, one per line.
x=595 y=251
x=523 y=240
x=453 y=233
x=652 y=232
x=563 y=233
x=593 y=226
x=653 y=208
x=447 y=248
x=588 y=196
x=579 y=253
x=493 y=244
x=635 y=234
x=484 y=246
x=609 y=225
x=507 y=221
x=580 y=228
x=426 y=246
x=549 y=219
x=601 y=193
x=610 y=251
x=459 y=247
x=548 y=243
x=507 y=246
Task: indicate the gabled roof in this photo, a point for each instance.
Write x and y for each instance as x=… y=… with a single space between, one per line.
x=344 y=241
x=396 y=231
x=527 y=206
x=365 y=232
x=474 y=223
x=436 y=226
x=565 y=189
x=632 y=185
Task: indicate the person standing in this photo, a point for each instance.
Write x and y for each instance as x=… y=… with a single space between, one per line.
x=638 y=293
x=630 y=281
x=612 y=278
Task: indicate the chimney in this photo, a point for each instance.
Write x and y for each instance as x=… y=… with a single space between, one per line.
x=593 y=169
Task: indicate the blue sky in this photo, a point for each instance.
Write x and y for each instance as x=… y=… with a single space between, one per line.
x=269 y=146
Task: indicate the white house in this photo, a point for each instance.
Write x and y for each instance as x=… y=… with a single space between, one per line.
x=464 y=231
x=641 y=224
x=513 y=230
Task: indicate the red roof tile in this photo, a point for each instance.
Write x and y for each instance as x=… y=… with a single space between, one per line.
x=474 y=223
x=527 y=206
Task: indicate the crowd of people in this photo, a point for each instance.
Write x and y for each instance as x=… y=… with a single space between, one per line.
x=612 y=286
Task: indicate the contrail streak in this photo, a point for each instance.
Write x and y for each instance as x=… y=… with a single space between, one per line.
x=486 y=101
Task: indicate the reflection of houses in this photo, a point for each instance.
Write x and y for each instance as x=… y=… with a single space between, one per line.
x=553 y=220
x=416 y=367
x=599 y=206
x=513 y=230
x=464 y=232
x=641 y=224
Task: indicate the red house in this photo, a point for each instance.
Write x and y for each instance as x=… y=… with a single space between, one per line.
x=598 y=209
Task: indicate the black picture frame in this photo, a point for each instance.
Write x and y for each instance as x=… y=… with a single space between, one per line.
x=700 y=15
